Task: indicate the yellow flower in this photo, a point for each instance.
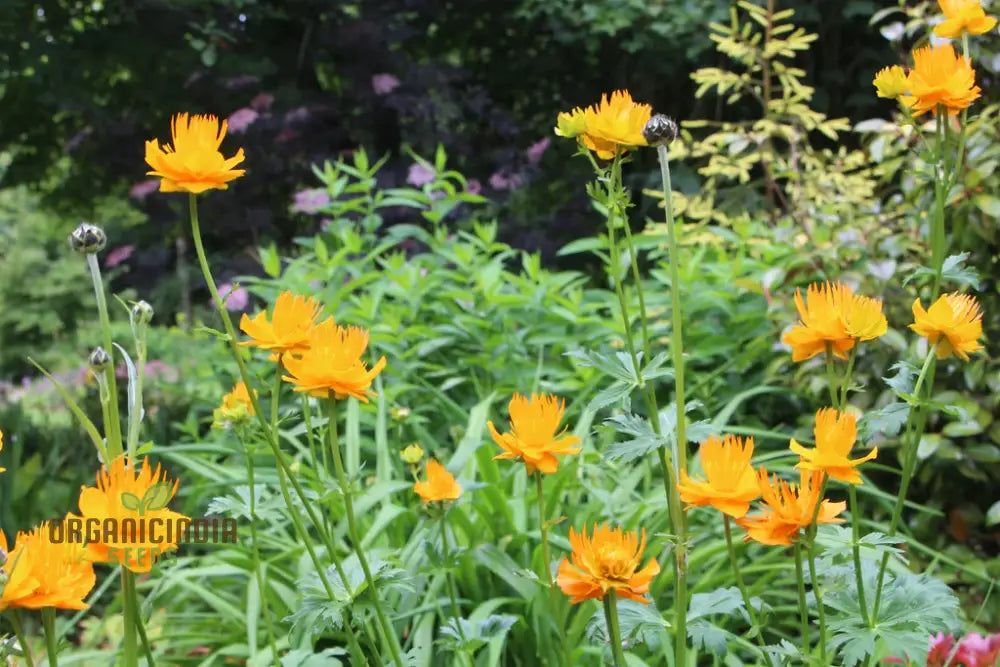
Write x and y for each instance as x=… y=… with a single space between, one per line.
x=604 y=562
x=332 y=363
x=954 y=322
x=194 y=163
x=236 y=407
x=731 y=481
x=890 y=82
x=788 y=509
x=533 y=438
x=288 y=329
x=835 y=435
x=963 y=16
x=412 y=454
x=42 y=573
x=571 y=124
x=133 y=505
x=440 y=484
x=940 y=77
x=832 y=314
x=615 y=123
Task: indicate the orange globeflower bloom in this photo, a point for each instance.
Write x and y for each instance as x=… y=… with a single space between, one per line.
x=835 y=435
x=954 y=322
x=963 y=16
x=788 y=508
x=440 y=484
x=940 y=77
x=832 y=314
x=613 y=125
x=194 y=163
x=604 y=562
x=332 y=363
x=236 y=406
x=532 y=436
x=42 y=573
x=294 y=316
x=890 y=82
x=732 y=481
x=134 y=504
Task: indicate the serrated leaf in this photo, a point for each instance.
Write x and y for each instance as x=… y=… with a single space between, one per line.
x=643 y=442
x=953 y=269
x=620 y=367
x=902 y=382
x=888 y=420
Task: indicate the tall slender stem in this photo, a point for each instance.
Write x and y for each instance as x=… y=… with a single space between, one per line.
x=130 y=644
x=135 y=409
x=859 y=579
x=831 y=375
x=544 y=527
x=735 y=565
x=51 y=641
x=22 y=639
x=614 y=629
x=803 y=610
x=352 y=527
x=938 y=241
x=113 y=429
x=255 y=558
x=456 y=612
x=818 y=594
x=140 y=628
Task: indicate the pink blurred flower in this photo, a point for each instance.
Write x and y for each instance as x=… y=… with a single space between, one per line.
x=420 y=175
x=143 y=189
x=384 y=84
x=504 y=181
x=241 y=119
x=235 y=299
x=940 y=649
x=473 y=186
x=311 y=200
x=118 y=255
x=976 y=650
x=262 y=101
x=297 y=115
x=537 y=149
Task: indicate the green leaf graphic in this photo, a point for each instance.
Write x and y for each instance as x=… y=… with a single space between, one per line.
x=157 y=496
x=130 y=501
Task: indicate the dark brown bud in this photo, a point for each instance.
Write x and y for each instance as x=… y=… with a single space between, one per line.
x=660 y=130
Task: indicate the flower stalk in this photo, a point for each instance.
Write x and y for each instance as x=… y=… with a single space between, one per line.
x=113 y=428
x=614 y=629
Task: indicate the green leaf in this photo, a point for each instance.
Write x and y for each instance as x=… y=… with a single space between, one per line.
x=888 y=420
x=643 y=442
x=620 y=368
x=157 y=496
x=993 y=514
x=953 y=269
x=130 y=501
x=902 y=382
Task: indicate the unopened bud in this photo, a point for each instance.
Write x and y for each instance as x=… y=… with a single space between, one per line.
x=399 y=413
x=659 y=130
x=142 y=313
x=87 y=239
x=412 y=454
x=99 y=359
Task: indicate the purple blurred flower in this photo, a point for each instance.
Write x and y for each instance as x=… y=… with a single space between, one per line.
x=241 y=119
x=384 y=84
x=537 y=149
x=297 y=115
x=240 y=81
x=504 y=181
x=235 y=299
x=118 y=255
x=420 y=175
x=311 y=200
x=143 y=189
x=262 y=101
x=473 y=186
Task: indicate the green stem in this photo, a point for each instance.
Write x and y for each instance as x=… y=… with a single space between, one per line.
x=818 y=594
x=139 y=627
x=310 y=437
x=614 y=630
x=831 y=375
x=734 y=564
x=856 y=548
x=130 y=645
x=135 y=409
x=452 y=591
x=275 y=398
x=352 y=527
x=845 y=386
x=51 y=641
x=938 y=242
x=22 y=640
x=545 y=539
x=258 y=572
x=113 y=429
x=284 y=474
x=803 y=610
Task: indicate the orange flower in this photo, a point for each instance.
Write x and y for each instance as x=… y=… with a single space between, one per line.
x=732 y=482
x=288 y=329
x=130 y=507
x=42 y=573
x=954 y=322
x=788 y=509
x=440 y=484
x=604 y=562
x=194 y=163
x=832 y=314
x=236 y=407
x=835 y=435
x=963 y=16
x=533 y=437
x=615 y=124
x=890 y=82
x=332 y=363
x=940 y=77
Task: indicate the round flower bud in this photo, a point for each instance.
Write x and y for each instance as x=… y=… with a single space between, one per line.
x=660 y=130
x=412 y=454
x=87 y=239
x=142 y=313
x=99 y=359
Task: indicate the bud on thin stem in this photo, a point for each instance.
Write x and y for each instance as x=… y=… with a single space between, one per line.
x=99 y=359
x=87 y=239
x=659 y=130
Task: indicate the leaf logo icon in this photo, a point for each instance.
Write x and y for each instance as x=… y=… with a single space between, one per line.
x=156 y=497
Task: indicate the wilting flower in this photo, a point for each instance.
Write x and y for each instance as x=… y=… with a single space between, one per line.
x=236 y=407
x=532 y=437
x=731 y=480
x=332 y=363
x=606 y=561
x=133 y=502
x=963 y=16
x=615 y=124
x=890 y=82
x=42 y=573
x=194 y=163
x=835 y=435
x=954 y=322
x=288 y=329
x=788 y=508
x=412 y=454
x=440 y=484
x=832 y=315
x=940 y=77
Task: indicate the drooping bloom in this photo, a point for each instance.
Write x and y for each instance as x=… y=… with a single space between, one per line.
x=607 y=560
x=236 y=407
x=130 y=506
x=615 y=124
x=954 y=322
x=940 y=77
x=963 y=16
x=890 y=82
x=193 y=163
x=833 y=315
x=42 y=573
x=332 y=363
x=533 y=436
x=788 y=508
x=835 y=435
x=440 y=484
x=287 y=331
x=731 y=482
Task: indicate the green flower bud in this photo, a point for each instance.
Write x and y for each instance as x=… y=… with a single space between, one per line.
x=99 y=360
x=87 y=239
